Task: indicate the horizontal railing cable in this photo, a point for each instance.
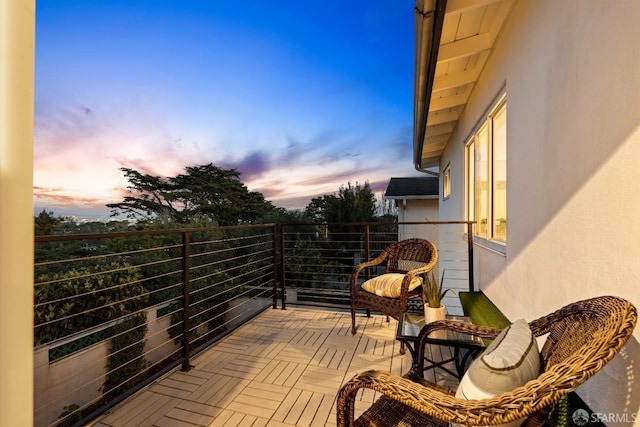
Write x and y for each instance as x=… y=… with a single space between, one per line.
x=110 y=307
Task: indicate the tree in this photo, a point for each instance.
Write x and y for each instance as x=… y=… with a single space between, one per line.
x=315 y=209
x=45 y=223
x=351 y=204
x=149 y=197
x=284 y=216
x=202 y=194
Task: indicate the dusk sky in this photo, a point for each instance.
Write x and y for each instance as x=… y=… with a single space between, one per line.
x=301 y=97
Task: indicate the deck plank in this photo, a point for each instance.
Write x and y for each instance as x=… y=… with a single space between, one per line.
x=283 y=368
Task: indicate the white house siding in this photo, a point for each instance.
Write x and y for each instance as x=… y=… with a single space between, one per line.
x=448 y=238
x=571 y=70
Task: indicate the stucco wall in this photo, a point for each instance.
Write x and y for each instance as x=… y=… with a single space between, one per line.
x=17 y=40
x=571 y=72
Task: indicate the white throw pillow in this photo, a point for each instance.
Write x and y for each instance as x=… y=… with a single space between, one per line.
x=510 y=361
x=389 y=284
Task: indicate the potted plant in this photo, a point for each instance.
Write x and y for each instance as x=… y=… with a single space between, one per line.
x=432 y=297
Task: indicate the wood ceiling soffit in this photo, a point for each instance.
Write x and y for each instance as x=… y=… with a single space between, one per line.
x=468 y=35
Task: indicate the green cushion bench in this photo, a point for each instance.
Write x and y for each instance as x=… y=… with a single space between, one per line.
x=481 y=310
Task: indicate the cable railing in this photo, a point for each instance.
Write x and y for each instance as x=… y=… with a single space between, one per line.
x=115 y=311
x=318 y=258
x=110 y=311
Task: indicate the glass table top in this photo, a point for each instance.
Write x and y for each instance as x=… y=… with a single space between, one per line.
x=410 y=325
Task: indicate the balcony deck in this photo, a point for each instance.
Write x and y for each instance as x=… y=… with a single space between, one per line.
x=283 y=368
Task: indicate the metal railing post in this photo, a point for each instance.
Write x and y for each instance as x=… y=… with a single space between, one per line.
x=367 y=250
x=276 y=265
x=470 y=255
x=186 y=253
x=282 y=268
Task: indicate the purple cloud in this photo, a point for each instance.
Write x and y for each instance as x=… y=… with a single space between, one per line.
x=252 y=165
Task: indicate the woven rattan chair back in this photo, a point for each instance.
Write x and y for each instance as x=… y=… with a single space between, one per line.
x=408 y=255
x=573 y=328
x=581 y=338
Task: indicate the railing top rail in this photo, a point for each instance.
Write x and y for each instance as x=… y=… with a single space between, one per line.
x=378 y=223
x=88 y=236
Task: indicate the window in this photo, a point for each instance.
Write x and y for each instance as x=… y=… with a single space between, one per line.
x=446 y=183
x=487 y=175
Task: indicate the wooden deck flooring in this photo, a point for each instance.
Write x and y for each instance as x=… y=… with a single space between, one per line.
x=283 y=368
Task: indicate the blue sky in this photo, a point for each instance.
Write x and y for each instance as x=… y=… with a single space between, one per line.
x=300 y=97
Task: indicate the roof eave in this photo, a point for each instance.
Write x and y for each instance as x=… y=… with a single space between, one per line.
x=429 y=18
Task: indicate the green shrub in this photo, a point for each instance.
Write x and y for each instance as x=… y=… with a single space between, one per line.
x=74 y=300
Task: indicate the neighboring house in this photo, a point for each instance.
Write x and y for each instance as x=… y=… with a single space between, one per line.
x=416 y=200
x=531 y=112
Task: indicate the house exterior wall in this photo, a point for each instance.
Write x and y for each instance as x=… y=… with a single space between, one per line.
x=413 y=211
x=449 y=248
x=570 y=71
x=17 y=41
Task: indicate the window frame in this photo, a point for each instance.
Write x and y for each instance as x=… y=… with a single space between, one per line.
x=487 y=235
x=446 y=182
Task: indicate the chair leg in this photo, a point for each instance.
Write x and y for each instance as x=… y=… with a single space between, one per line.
x=402 y=350
x=368 y=313
x=353 y=321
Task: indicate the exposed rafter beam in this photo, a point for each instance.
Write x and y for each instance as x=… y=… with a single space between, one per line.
x=434 y=150
x=460 y=6
x=447 y=102
x=443 y=129
x=452 y=80
x=465 y=47
x=435 y=143
x=439 y=117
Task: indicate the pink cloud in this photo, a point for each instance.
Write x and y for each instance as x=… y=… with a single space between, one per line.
x=79 y=152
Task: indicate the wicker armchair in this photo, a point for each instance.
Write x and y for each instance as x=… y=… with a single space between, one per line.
x=583 y=337
x=413 y=257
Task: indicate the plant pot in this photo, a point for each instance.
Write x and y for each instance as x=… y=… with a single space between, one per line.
x=433 y=314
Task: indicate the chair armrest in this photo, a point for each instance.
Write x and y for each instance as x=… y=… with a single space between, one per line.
x=393 y=386
x=358 y=268
x=451 y=325
x=430 y=400
x=457 y=326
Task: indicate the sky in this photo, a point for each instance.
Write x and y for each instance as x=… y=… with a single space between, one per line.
x=300 y=97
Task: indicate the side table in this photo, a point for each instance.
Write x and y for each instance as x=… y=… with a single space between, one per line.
x=409 y=327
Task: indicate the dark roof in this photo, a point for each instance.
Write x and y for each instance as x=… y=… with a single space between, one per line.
x=413 y=188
